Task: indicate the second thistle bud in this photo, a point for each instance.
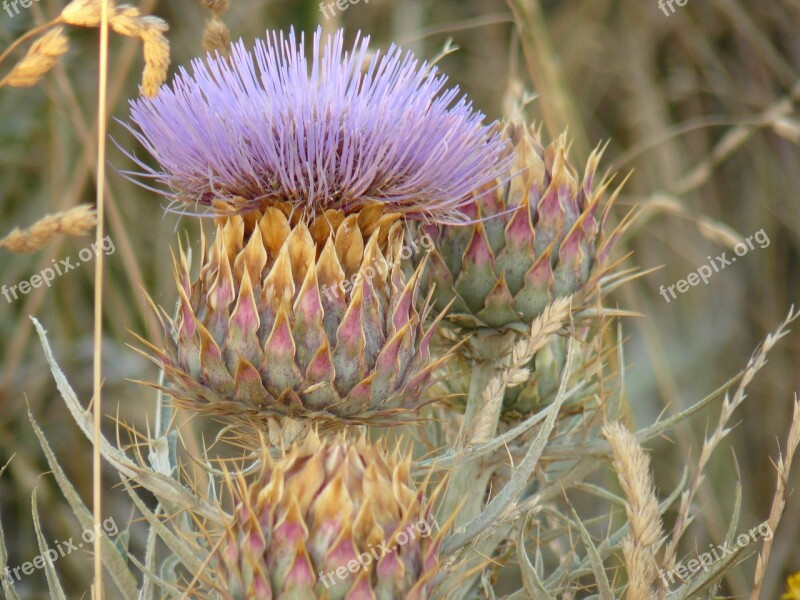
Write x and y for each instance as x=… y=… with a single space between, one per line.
x=537 y=235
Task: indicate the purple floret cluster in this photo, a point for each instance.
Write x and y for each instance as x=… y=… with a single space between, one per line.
x=342 y=130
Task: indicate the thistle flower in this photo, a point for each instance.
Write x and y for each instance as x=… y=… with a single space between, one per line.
x=301 y=321
x=536 y=238
x=329 y=520
x=339 y=131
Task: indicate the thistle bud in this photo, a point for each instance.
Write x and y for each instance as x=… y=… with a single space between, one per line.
x=306 y=321
x=537 y=235
x=331 y=520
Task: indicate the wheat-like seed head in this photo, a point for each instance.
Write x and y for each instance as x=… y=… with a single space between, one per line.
x=128 y=21
x=156 y=56
x=217 y=7
x=76 y=222
x=40 y=58
x=216 y=36
x=632 y=466
x=84 y=13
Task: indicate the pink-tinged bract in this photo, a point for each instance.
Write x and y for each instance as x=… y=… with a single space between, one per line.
x=342 y=130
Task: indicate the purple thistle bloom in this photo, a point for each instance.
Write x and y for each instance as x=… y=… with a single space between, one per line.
x=265 y=126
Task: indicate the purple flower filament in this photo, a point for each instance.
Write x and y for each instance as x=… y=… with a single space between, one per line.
x=343 y=130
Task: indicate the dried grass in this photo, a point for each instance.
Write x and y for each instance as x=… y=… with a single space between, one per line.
x=216 y=35
x=124 y=19
x=745 y=174
x=720 y=432
x=783 y=468
x=75 y=222
x=128 y=21
x=38 y=60
x=632 y=466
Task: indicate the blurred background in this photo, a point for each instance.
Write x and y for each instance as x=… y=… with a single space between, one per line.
x=699 y=104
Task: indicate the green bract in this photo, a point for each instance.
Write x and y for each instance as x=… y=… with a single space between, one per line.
x=536 y=236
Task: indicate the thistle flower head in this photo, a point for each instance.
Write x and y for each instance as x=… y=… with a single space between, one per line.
x=330 y=519
x=341 y=130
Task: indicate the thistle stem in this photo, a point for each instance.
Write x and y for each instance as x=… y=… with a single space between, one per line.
x=471 y=476
x=468 y=484
x=481 y=375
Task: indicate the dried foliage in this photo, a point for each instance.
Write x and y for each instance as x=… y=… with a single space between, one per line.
x=128 y=21
x=216 y=35
x=123 y=19
x=77 y=221
x=534 y=422
x=632 y=466
x=38 y=60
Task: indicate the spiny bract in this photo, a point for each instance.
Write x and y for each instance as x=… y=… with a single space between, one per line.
x=302 y=321
x=539 y=238
x=342 y=131
x=330 y=520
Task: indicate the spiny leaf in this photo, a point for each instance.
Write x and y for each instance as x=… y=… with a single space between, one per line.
x=114 y=563
x=177 y=546
x=530 y=576
x=603 y=585
x=53 y=584
x=164 y=488
x=8 y=586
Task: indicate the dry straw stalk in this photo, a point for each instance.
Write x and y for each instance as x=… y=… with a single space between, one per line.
x=782 y=467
